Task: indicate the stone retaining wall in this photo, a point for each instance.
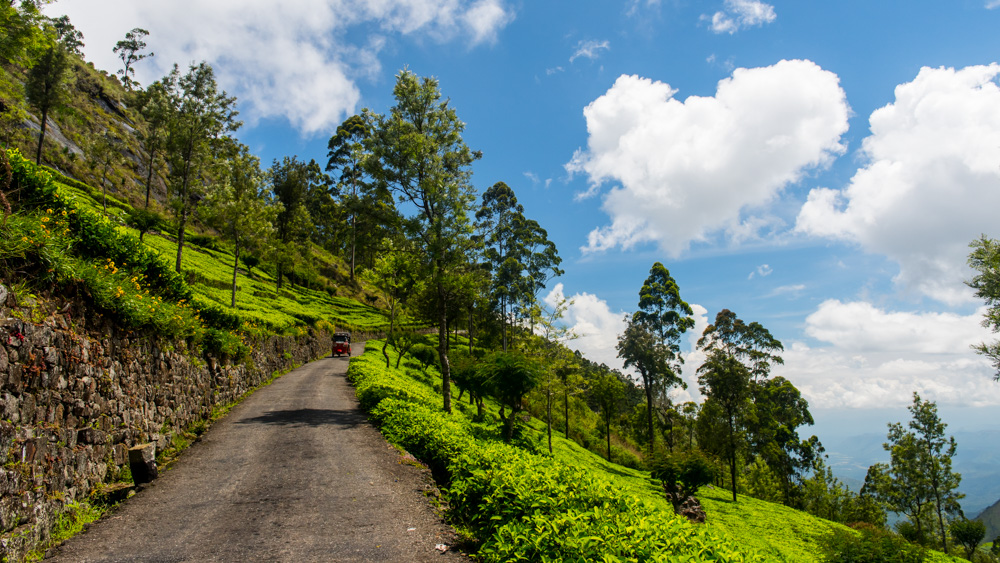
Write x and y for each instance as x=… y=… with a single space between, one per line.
x=76 y=391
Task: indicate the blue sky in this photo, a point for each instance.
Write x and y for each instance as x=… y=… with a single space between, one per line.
x=818 y=167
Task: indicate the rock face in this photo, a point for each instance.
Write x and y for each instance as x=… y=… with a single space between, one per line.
x=77 y=392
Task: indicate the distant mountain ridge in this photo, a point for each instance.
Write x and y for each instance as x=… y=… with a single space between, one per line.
x=991 y=517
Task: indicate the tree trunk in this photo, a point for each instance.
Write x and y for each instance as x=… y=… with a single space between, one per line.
x=180 y=238
x=548 y=410
x=607 y=427
x=732 y=454
x=149 y=175
x=354 y=230
x=385 y=343
x=236 y=267
x=566 y=410
x=104 y=187
x=649 y=415
x=41 y=135
x=443 y=342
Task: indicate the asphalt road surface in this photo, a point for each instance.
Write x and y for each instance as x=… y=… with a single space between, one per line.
x=294 y=473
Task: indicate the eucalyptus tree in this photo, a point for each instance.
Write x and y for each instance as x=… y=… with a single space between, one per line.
x=105 y=152
x=651 y=341
x=46 y=86
x=200 y=115
x=738 y=357
x=608 y=392
x=641 y=349
x=368 y=205
x=129 y=50
x=918 y=476
x=240 y=206
x=518 y=253
x=155 y=106
x=417 y=153
x=292 y=182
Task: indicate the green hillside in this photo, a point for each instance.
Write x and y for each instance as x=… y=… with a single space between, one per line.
x=520 y=504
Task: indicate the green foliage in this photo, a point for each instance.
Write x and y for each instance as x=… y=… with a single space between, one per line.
x=918 y=480
x=985 y=259
x=682 y=475
x=967 y=533
x=870 y=545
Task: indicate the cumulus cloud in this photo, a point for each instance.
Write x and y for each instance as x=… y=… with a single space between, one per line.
x=294 y=60
x=931 y=182
x=739 y=14
x=596 y=326
x=688 y=169
x=872 y=358
x=590 y=49
x=763 y=271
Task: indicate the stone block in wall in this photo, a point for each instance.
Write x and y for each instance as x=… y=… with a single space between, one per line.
x=91 y=436
x=142 y=463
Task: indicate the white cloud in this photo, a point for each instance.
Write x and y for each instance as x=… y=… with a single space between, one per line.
x=931 y=183
x=590 y=49
x=739 y=14
x=688 y=169
x=763 y=271
x=876 y=359
x=992 y=4
x=783 y=289
x=597 y=327
x=282 y=59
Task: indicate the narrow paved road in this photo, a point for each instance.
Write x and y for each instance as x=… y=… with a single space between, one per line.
x=294 y=473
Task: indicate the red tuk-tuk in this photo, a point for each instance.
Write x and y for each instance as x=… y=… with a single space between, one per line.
x=341 y=343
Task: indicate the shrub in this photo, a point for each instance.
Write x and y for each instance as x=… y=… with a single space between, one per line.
x=870 y=545
x=682 y=475
x=968 y=533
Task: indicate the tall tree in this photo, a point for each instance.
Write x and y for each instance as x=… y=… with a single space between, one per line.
x=46 y=87
x=918 y=475
x=292 y=181
x=129 y=50
x=985 y=259
x=651 y=342
x=154 y=104
x=418 y=153
x=641 y=348
x=240 y=207
x=608 y=393
x=105 y=152
x=201 y=116
x=662 y=309
x=726 y=383
x=347 y=154
x=777 y=412
x=495 y=223
x=739 y=356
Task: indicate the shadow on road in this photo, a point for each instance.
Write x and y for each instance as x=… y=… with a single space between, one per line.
x=309 y=417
